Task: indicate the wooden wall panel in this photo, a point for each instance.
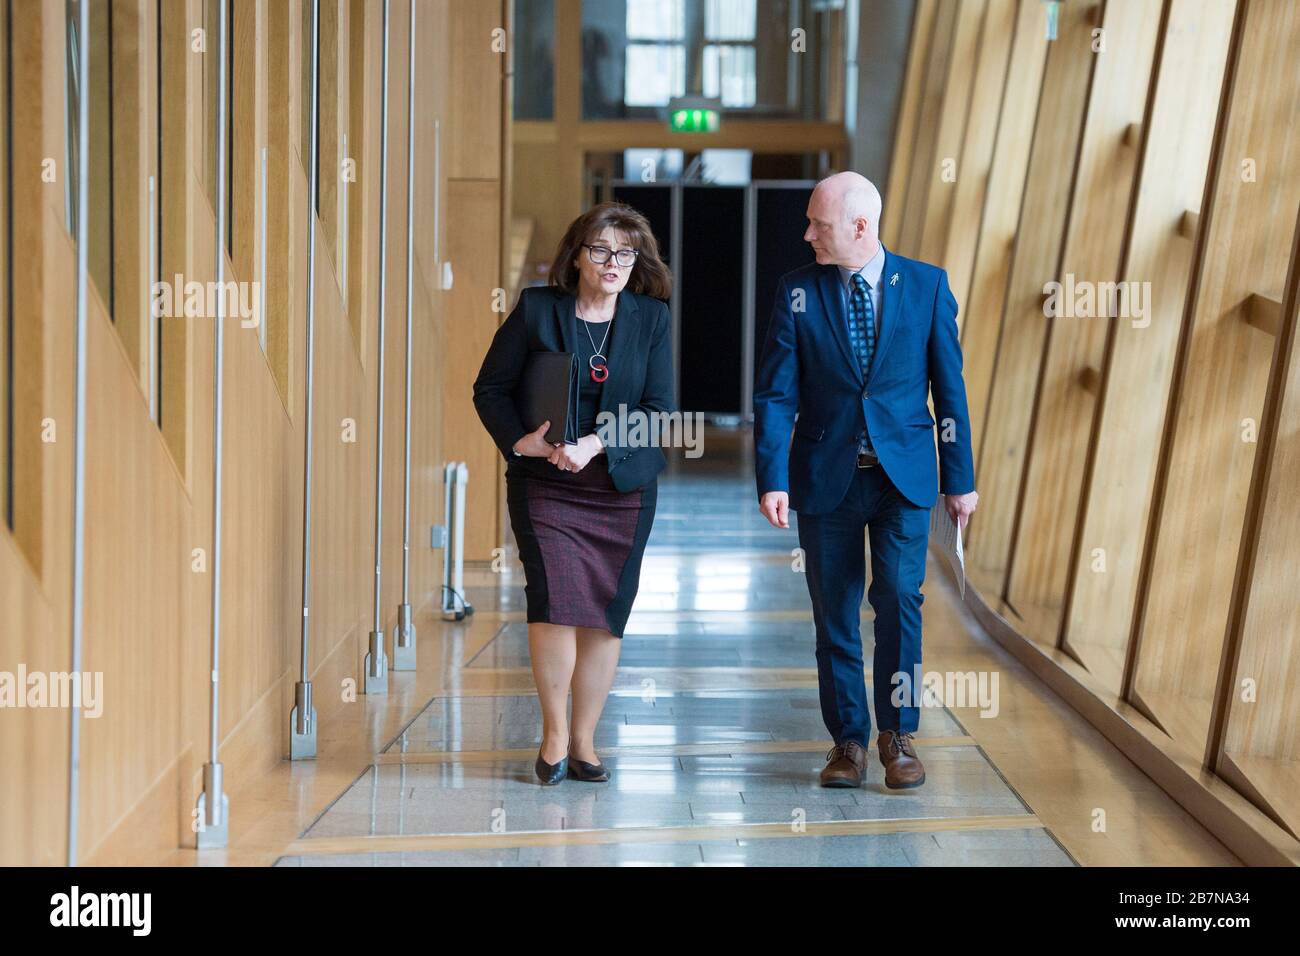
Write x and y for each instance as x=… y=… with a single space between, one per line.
x=472 y=204
x=37 y=105
x=1136 y=375
x=1261 y=694
x=35 y=602
x=910 y=115
x=133 y=43
x=343 y=471
x=149 y=503
x=475 y=96
x=1039 y=241
x=430 y=401
x=921 y=168
x=33 y=741
x=1222 y=377
x=1159 y=440
x=138 y=582
x=950 y=135
x=1063 y=415
x=474 y=192
x=981 y=317
x=975 y=169
x=536 y=199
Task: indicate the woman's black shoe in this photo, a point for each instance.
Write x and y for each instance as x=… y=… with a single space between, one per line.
x=587 y=772
x=550 y=773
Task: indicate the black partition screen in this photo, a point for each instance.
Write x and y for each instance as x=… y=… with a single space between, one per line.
x=709 y=267
x=712 y=275
x=655 y=202
x=780 y=222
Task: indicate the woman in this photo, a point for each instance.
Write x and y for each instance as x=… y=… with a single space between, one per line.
x=581 y=513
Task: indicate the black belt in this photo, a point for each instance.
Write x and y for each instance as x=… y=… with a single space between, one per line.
x=866 y=460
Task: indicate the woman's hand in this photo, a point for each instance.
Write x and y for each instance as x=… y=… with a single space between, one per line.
x=576 y=457
x=534 y=444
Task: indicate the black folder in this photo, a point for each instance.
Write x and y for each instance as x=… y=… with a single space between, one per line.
x=548 y=391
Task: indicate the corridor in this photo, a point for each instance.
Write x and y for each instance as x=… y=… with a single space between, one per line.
x=714 y=737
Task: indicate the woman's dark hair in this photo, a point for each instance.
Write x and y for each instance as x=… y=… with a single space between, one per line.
x=649 y=275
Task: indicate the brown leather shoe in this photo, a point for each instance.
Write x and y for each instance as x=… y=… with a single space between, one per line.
x=903 y=768
x=844 y=765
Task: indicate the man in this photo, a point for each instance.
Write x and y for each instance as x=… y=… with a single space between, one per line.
x=856 y=341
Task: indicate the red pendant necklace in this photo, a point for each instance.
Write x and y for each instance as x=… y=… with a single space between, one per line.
x=599 y=369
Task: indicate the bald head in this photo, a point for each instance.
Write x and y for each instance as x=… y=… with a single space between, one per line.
x=844 y=220
x=854 y=195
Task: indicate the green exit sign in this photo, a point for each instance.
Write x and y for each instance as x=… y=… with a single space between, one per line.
x=693 y=121
x=694 y=114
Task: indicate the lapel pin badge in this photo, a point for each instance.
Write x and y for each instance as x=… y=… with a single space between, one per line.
x=893 y=280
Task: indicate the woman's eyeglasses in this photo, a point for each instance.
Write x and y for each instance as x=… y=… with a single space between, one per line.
x=601 y=255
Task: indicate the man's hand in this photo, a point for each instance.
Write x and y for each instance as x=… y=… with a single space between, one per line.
x=775 y=507
x=961 y=507
x=575 y=457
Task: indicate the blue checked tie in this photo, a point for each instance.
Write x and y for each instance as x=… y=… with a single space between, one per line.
x=862 y=335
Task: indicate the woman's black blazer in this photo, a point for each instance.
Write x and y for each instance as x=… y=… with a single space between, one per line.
x=640 y=375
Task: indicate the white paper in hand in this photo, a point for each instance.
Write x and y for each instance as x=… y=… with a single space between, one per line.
x=945 y=531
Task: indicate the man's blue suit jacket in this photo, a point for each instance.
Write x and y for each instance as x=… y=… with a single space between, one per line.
x=808 y=367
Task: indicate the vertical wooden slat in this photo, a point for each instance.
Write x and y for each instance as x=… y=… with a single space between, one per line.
x=1090 y=259
x=1120 y=473
x=909 y=118
x=982 y=324
x=975 y=168
x=1039 y=240
x=1255 y=732
x=1221 y=381
x=921 y=172
x=951 y=130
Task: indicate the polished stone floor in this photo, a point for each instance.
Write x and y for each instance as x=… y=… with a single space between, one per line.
x=713 y=734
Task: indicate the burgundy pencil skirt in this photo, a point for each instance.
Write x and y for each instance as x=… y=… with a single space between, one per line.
x=580 y=540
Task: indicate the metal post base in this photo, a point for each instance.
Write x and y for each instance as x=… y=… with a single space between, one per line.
x=404 y=640
x=213 y=811
x=376 y=676
x=302 y=732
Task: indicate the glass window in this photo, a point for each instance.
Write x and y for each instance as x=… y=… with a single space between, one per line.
x=211 y=64
x=638 y=54
x=652 y=165
x=534 y=59
x=656 y=20
x=726 y=167
x=99 y=102
x=231 y=126
x=729 y=75
x=306 y=38
x=280 y=124
x=329 y=142
x=72 y=109
x=6 y=271
x=156 y=222
x=654 y=74
x=730 y=20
